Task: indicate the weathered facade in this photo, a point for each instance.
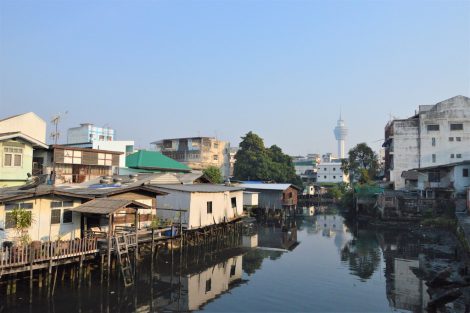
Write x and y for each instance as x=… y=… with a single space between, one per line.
x=436 y=135
x=197 y=152
x=274 y=196
x=75 y=165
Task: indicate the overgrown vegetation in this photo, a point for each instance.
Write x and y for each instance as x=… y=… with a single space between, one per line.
x=256 y=162
x=213 y=174
x=23 y=220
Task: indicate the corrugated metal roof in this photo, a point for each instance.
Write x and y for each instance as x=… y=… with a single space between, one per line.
x=107 y=206
x=209 y=188
x=154 y=160
x=267 y=186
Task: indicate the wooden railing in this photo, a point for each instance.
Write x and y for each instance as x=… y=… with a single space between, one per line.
x=47 y=251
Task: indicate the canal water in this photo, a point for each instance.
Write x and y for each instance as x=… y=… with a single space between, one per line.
x=316 y=264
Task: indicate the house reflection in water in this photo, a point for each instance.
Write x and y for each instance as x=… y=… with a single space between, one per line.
x=405 y=290
x=278 y=236
x=408 y=291
x=197 y=289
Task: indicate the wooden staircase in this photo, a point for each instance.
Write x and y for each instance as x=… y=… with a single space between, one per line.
x=122 y=251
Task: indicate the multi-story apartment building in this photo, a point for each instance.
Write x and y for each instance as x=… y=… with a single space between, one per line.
x=88 y=132
x=437 y=135
x=197 y=152
x=331 y=172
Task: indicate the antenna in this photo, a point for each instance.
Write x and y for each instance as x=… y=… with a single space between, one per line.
x=55 y=121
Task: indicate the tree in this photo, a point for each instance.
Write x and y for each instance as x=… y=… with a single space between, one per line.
x=361 y=165
x=256 y=162
x=213 y=174
x=23 y=220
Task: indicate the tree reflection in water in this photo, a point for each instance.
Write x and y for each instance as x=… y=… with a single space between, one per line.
x=363 y=255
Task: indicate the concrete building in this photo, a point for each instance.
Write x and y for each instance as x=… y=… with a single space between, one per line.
x=88 y=132
x=202 y=204
x=197 y=152
x=436 y=135
x=340 y=134
x=331 y=172
x=306 y=167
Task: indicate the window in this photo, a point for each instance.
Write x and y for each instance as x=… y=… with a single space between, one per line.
x=232 y=270
x=105 y=159
x=55 y=216
x=451 y=138
x=433 y=158
x=334 y=177
x=67 y=204
x=208 y=285
x=209 y=207
x=325 y=169
x=23 y=205
x=458 y=138
x=72 y=156
x=334 y=168
x=9 y=220
x=459 y=156
x=67 y=216
x=433 y=141
x=56 y=204
x=451 y=155
x=456 y=126
x=234 y=202
x=13 y=157
x=434 y=177
x=433 y=127
x=465 y=172
x=216 y=146
x=216 y=157
x=324 y=177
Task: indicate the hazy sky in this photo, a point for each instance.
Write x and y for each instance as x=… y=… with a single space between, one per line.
x=160 y=69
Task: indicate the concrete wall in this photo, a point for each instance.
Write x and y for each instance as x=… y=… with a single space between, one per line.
x=451 y=111
x=41 y=228
x=13 y=175
x=405 y=149
x=29 y=124
x=119 y=146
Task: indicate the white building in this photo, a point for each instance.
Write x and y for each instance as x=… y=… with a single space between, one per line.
x=28 y=123
x=88 y=132
x=331 y=172
x=202 y=204
x=436 y=135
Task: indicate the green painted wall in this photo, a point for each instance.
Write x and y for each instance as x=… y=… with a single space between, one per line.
x=14 y=176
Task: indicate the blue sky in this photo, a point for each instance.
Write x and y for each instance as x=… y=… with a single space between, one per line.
x=159 y=69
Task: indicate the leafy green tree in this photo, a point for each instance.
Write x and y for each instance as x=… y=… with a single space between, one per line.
x=256 y=162
x=213 y=174
x=23 y=220
x=361 y=165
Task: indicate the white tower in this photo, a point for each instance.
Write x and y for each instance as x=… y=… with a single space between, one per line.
x=340 y=133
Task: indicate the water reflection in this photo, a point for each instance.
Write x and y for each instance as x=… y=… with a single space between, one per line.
x=369 y=269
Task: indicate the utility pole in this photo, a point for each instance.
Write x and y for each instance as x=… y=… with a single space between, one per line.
x=55 y=136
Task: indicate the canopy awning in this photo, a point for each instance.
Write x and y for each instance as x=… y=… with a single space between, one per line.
x=106 y=206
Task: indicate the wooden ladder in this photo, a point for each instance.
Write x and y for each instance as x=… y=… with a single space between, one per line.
x=122 y=252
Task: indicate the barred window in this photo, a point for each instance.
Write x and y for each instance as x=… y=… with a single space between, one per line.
x=209 y=207
x=10 y=221
x=433 y=127
x=55 y=216
x=456 y=126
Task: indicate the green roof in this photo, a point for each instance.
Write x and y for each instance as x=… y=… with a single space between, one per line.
x=152 y=160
